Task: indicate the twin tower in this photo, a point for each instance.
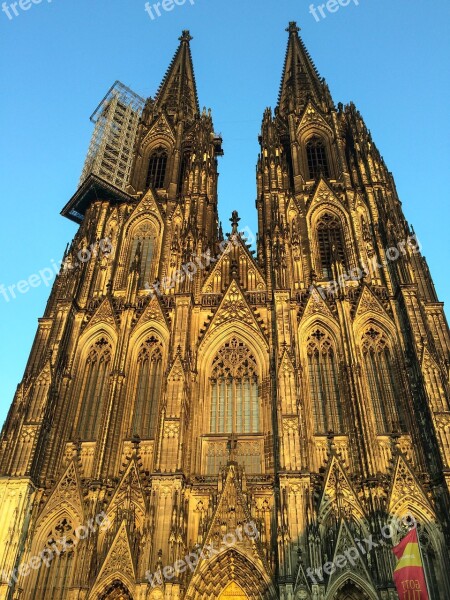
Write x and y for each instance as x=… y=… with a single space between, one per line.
x=197 y=420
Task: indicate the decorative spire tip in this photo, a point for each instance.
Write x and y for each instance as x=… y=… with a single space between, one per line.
x=293 y=28
x=185 y=36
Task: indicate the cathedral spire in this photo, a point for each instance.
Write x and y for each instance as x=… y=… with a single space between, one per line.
x=178 y=90
x=300 y=80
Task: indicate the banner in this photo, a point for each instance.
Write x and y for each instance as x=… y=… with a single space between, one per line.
x=409 y=575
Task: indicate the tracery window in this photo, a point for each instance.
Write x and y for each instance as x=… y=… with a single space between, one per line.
x=141 y=249
x=157 y=166
x=147 y=389
x=331 y=243
x=54 y=581
x=316 y=153
x=380 y=370
x=323 y=380
x=94 y=390
x=235 y=404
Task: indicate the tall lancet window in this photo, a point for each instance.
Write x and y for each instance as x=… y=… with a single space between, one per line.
x=380 y=370
x=331 y=244
x=157 y=167
x=316 y=153
x=94 y=390
x=147 y=389
x=54 y=581
x=324 y=387
x=235 y=406
x=142 y=249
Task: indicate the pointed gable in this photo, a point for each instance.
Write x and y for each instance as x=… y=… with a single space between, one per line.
x=368 y=302
x=67 y=494
x=336 y=481
x=176 y=371
x=129 y=491
x=244 y=258
x=232 y=514
x=312 y=117
x=119 y=560
x=234 y=308
x=347 y=547
x=146 y=205
x=153 y=312
x=104 y=314
x=407 y=491
x=316 y=306
x=324 y=193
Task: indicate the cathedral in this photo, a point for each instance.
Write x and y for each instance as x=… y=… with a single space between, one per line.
x=200 y=420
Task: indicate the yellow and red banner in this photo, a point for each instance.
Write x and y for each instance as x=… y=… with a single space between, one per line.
x=409 y=575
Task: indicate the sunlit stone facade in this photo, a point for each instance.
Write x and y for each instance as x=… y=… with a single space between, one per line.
x=182 y=388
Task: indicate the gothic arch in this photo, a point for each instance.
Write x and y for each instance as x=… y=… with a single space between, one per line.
x=377 y=320
x=324 y=393
x=232 y=566
x=53 y=580
x=327 y=209
x=232 y=383
x=145 y=383
x=162 y=136
x=91 y=335
x=95 y=362
x=157 y=328
x=213 y=340
x=351 y=587
x=143 y=234
x=381 y=363
x=115 y=589
x=316 y=127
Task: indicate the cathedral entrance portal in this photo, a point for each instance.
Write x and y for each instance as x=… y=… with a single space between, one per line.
x=117 y=592
x=350 y=592
x=233 y=591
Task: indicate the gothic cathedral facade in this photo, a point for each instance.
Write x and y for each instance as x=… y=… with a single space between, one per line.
x=189 y=390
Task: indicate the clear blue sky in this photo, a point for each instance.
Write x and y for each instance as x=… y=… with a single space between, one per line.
x=391 y=57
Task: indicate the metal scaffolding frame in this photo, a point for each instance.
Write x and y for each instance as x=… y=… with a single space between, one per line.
x=116 y=119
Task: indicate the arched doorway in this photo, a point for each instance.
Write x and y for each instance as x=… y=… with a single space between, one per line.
x=117 y=591
x=233 y=591
x=350 y=592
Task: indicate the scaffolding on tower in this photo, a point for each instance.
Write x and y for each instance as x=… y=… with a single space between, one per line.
x=116 y=120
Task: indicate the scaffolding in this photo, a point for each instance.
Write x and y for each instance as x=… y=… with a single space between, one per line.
x=116 y=119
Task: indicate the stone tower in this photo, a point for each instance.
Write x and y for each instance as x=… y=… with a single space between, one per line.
x=198 y=422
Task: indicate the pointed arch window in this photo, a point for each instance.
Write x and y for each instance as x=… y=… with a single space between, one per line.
x=235 y=405
x=94 y=390
x=331 y=244
x=380 y=371
x=54 y=581
x=148 y=389
x=141 y=252
x=316 y=154
x=324 y=385
x=157 y=167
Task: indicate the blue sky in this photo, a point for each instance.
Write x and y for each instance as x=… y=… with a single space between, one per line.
x=59 y=58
